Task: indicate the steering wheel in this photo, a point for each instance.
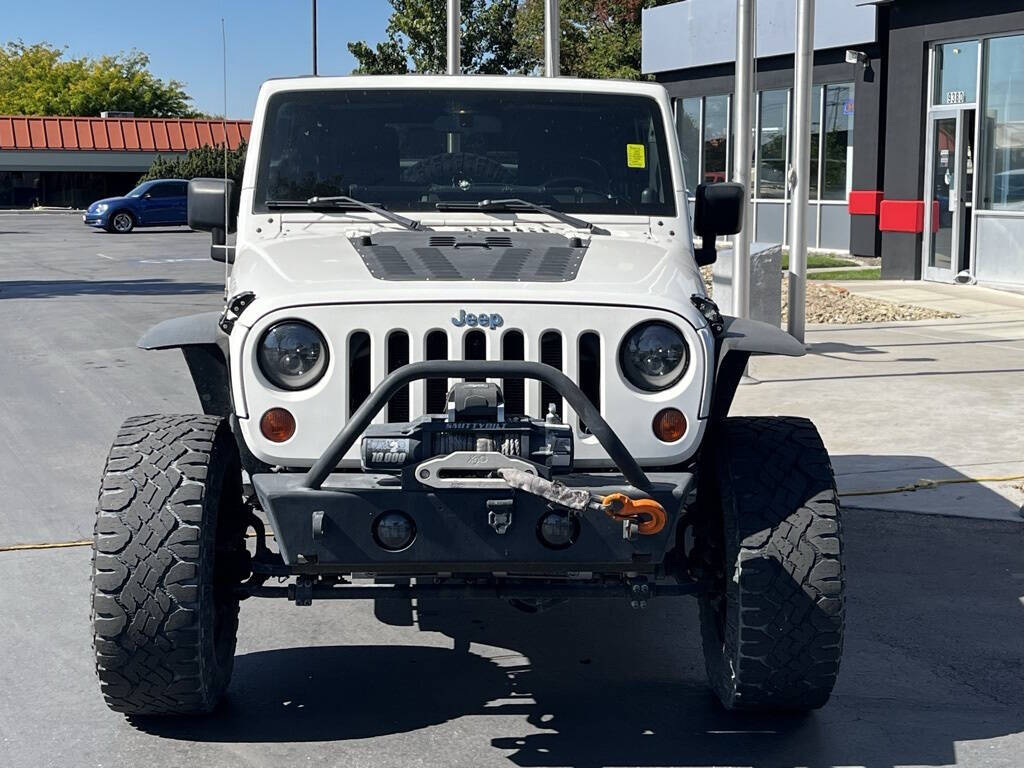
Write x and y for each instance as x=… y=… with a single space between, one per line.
x=448 y=167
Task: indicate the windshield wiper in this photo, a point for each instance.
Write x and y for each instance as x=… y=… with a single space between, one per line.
x=518 y=204
x=342 y=202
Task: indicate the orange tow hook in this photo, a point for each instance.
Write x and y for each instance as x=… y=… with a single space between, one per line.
x=619 y=506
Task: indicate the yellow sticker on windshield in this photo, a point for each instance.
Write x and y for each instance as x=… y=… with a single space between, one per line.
x=636 y=156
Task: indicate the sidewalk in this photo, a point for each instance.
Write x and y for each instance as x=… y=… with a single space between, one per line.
x=900 y=403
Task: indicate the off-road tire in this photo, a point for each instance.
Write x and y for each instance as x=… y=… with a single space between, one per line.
x=168 y=541
x=773 y=628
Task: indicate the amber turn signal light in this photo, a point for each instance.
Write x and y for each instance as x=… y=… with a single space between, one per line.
x=669 y=425
x=277 y=425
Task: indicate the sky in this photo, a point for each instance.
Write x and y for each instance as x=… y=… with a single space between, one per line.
x=265 y=38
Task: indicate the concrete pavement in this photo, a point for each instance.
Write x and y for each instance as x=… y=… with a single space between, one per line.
x=900 y=403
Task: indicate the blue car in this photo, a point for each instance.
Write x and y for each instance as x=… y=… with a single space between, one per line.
x=162 y=203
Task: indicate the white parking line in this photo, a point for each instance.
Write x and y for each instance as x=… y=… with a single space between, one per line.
x=167 y=261
x=104 y=256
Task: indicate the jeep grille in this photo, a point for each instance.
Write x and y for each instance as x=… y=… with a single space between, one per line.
x=474 y=344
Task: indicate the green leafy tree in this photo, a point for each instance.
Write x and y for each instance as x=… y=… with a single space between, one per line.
x=417 y=33
x=206 y=161
x=600 y=38
x=39 y=79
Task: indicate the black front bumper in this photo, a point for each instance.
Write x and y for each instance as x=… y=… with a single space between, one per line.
x=323 y=520
x=330 y=529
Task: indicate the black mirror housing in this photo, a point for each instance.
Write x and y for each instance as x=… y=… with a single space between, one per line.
x=718 y=210
x=207 y=200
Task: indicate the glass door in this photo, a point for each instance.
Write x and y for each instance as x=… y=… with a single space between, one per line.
x=949 y=183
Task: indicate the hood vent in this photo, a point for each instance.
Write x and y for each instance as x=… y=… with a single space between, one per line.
x=520 y=257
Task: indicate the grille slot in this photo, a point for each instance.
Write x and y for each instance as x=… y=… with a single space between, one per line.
x=436 y=348
x=442 y=241
x=498 y=241
x=398 y=355
x=590 y=371
x=513 y=348
x=398 y=348
x=474 y=347
x=550 y=354
x=359 y=370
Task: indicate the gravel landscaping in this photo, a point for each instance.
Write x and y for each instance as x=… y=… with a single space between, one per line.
x=832 y=304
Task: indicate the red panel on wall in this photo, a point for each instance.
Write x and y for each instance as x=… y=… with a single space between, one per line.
x=864 y=201
x=901 y=216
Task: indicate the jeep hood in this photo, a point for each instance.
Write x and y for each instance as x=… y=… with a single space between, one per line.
x=462 y=268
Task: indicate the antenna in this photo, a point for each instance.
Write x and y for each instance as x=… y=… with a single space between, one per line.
x=224 y=122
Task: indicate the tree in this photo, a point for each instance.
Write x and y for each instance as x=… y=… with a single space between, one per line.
x=417 y=34
x=600 y=38
x=206 y=161
x=39 y=79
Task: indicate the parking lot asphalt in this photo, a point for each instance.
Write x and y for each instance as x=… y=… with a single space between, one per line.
x=932 y=673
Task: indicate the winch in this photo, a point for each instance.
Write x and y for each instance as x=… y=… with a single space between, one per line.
x=475 y=422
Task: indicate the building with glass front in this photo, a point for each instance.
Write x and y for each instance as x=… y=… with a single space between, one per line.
x=917 y=134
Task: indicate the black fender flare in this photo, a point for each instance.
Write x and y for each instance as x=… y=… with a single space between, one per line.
x=740 y=338
x=205 y=347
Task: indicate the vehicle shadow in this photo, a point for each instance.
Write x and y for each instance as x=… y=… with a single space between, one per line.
x=932 y=661
x=49 y=289
x=151 y=231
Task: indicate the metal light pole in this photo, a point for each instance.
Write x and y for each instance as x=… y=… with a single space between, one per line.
x=743 y=109
x=552 y=39
x=454 y=37
x=800 y=168
x=314 y=39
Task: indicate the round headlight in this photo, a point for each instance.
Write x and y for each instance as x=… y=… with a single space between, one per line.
x=293 y=355
x=653 y=356
x=101 y=207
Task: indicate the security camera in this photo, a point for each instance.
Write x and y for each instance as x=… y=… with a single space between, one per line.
x=856 y=57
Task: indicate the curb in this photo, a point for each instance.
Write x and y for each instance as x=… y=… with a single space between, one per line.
x=28 y=211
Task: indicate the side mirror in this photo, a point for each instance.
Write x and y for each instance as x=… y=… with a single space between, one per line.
x=718 y=210
x=147 y=196
x=207 y=201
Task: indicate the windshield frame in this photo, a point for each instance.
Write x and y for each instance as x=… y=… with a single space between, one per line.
x=606 y=204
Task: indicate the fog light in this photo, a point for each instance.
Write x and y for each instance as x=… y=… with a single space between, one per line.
x=277 y=425
x=557 y=530
x=394 y=531
x=669 y=425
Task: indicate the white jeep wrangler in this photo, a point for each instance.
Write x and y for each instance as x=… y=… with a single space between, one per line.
x=466 y=351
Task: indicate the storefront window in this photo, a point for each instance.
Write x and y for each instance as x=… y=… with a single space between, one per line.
x=771 y=166
x=838 y=143
x=815 y=141
x=1003 y=124
x=956 y=73
x=716 y=138
x=688 y=127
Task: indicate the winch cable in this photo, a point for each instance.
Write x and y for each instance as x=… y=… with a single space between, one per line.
x=648 y=514
x=920 y=485
x=33 y=547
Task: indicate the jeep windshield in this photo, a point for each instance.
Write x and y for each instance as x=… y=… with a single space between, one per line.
x=423 y=150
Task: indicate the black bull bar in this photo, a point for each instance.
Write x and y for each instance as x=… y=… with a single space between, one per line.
x=399 y=378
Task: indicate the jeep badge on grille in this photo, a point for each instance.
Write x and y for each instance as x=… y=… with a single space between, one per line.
x=484 y=320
